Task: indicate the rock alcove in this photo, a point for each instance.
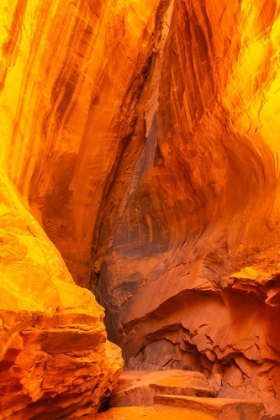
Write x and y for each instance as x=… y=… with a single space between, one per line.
x=139 y=161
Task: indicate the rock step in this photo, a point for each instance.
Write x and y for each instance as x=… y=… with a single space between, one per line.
x=138 y=388
x=219 y=408
x=153 y=412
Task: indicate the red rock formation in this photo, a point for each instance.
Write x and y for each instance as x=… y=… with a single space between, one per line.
x=54 y=357
x=139 y=388
x=190 y=261
x=144 y=135
x=156 y=412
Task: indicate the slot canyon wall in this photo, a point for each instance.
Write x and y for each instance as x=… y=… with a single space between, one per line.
x=144 y=138
x=55 y=359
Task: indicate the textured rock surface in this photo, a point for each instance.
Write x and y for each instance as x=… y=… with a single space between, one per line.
x=69 y=108
x=136 y=388
x=54 y=357
x=222 y=409
x=145 y=137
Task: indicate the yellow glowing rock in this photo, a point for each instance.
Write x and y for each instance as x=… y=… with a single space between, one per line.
x=64 y=107
x=53 y=341
x=144 y=138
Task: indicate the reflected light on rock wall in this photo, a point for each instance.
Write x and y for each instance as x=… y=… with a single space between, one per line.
x=144 y=138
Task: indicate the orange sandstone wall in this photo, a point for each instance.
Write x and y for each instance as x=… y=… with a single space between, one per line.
x=69 y=108
x=55 y=360
x=145 y=137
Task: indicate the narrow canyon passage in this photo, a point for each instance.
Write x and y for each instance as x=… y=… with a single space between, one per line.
x=139 y=150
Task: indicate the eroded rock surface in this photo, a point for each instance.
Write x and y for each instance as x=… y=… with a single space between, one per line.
x=137 y=388
x=145 y=137
x=54 y=356
x=222 y=409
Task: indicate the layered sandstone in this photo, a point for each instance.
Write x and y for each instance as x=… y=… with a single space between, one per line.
x=144 y=137
x=54 y=357
x=139 y=388
x=221 y=409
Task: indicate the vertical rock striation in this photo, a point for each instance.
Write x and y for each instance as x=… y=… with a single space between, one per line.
x=69 y=109
x=189 y=259
x=55 y=360
x=144 y=136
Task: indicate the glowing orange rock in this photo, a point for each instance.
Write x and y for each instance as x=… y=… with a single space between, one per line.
x=156 y=412
x=222 y=409
x=54 y=357
x=67 y=116
x=144 y=136
x=138 y=388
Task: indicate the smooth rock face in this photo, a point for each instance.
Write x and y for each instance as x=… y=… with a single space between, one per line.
x=54 y=357
x=145 y=137
x=55 y=360
x=156 y=412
